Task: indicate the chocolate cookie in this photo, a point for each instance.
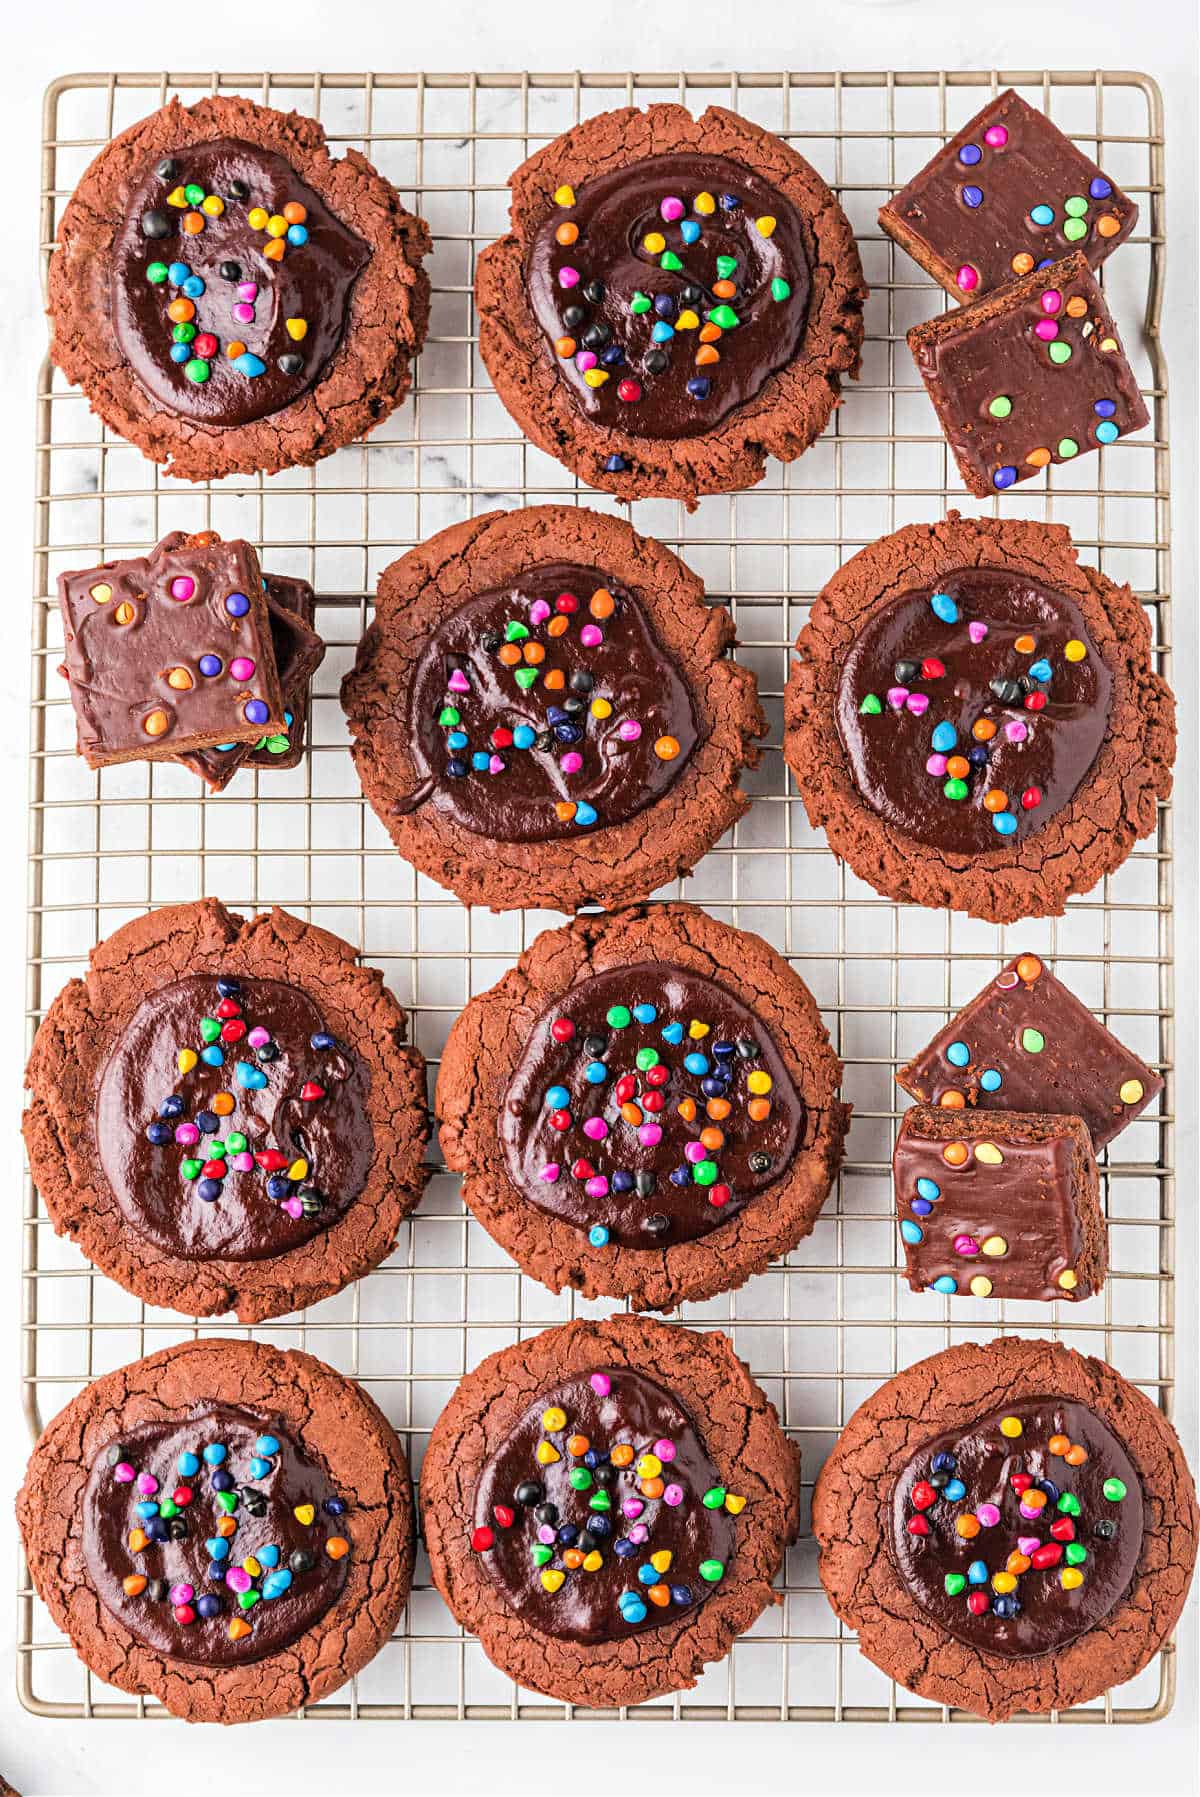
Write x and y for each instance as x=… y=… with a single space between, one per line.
x=677 y=300
x=225 y=1115
x=1025 y=1043
x=1007 y=195
x=974 y=720
x=232 y=298
x=999 y=1206
x=645 y=1107
x=544 y=711
x=1010 y=1527
x=277 y=1565
x=606 y=1506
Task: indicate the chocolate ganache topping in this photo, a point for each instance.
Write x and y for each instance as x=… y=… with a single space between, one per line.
x=212 y=1538
x=649 y=1106
x=602 y=1514
x=229 y=1121
x=1021 y=1531
x=231 y=282
x=548 y=707
x=670 y=291
x=972 y=714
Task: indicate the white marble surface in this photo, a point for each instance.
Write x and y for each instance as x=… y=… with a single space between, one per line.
x=41 y=1756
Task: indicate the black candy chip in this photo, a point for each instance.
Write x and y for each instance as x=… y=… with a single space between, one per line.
x=582 y=681
x=491 y=641
x=155 y=224
x=238 y=190
x=1105 y=1529
x=290 y=363
x=230 y=271
x=645 y=1184
x=905 y=671
x=657 y=1224
x=596 y=335
x=573 y=317
x=748 y=1050
x=547 y=1513
x=595 y=1045
x=527 y=1493
x=301 y=1560
x=167 y=169
x=157 y=1591
x=593 y=292
x=657 y=362
x=759 y=1162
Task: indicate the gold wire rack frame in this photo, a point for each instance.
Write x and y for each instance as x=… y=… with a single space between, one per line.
x=827 y=1324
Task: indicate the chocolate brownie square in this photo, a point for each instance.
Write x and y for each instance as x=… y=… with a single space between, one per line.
x=299 y=652
x=1004 y=1205
x=1007 y=195
x=1034 y=373
x=1025 y=1043
x=169 y=652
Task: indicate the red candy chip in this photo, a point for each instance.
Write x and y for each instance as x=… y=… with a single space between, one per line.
x=566 y=602
x=626 y=1088
x=1049 y=1554
x=932 y=669
x=582 y=1169
x=504 y=1516
x=270 y=1160
x=653 y=1101
x=1021 y=1482
x=978 y=1603
x=214 y=1170
x=658 y=1076
x=205 y=345
x=229 y=1007
x=233 y=1031
x=719 y=1195
x=310 y=1091
x=1031 y=798
x=184 y=1613
x=1063 y=1529
x=1035 y=701
x=482 y=1539
x=917 y=1525
x=560 y=1119
x=562 y=1029
x=923 y=1494
x=628 y=391
x=502 y=739
x=182 y=1495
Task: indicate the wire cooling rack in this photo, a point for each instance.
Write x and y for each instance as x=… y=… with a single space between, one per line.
x=825 y=1326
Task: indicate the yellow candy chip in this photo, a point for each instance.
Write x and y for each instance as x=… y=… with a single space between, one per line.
x=1068 y=1279
x=649 y=1466
x=662 y=1559
x=276 y=225
x=304 y=1513
x=1003 y=1582
x=102 y=593
x=995 y=1245
x=298 y=1170
x=564 y=195
x=238 y=1629
x=297 y=329
x=251 y=1565
x=552 y=1579
x=124 y=613
x=186 y=1059
x=687 y=320
x=601 y=708
x=596 y=377
x=765 y=226
x=759 y=1082
x=257 y=217
x=593 y=1562
x=981 y=1287
x=213 y=204
x=547 y=1453
x=554 y=1418
x=704 y=204
x=1132 y=1091
x=697 y=1030
x=1074 y=650
x=1071 y=1579
x=177 y=197
x=654 y=243
x=1107 y=346
x=1011 y=1426
x=989 y=1154
x=734 y=1505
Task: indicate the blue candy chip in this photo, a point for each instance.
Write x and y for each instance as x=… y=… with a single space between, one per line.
x=208 y=1191
x=673 y=1033
x=213 y=1055
x=696 y=1063
x=147 y=1508
x=944 y=737
x=457 y=739
x=598 y=1235
x=955 y=1490
x=969 y=155
x=921 y=1207
x=584 y=814
x=1042 y=215
x=215 y=1453
x=990 y=1079
x=188 y=1465
x=479 y=761
x=689 y=230
x=524 y=737
x=1107 y=432
x=912 y=1233
x=192 y=288
x=972 y=196
x=681 y=1594
x=216 y=1548
x=645 y=1013
x=251 y=1077
x=1004 y=823
x=929 y=1188
x=1099 y=188
x=977 y=1572
x=662 y=332
x=297 y=234
x=699 y=386
x=558 y=1098
x=648 y=1574
x=1004 y=477
x=943 y=607
x=634 y=1612
x=178 y=273
x=958 y=1054
x=597 y=1073
x=616 y=464
x=945 y=1285
x=276 y=1583
x=1041 y=669
x=623 y=1549
x=1105 y=408
x=249 y=364
x=180 y=352
x=259 y=1469
x=943 y=1463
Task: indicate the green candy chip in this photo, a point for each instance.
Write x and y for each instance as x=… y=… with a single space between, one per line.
x=670 y=261
x=712 y=1570
x=210 y=1029
x=1060 y=352
x=618 y=1017
x=704 y=1172
x=640 y=303
x=1068 y=1503
x=599 y=1500
x=714 y=1497
x=725 y=316
x=1114 y=1490
x=579 y=1478
x=515 y=633
x=156 y=273
x=726 y=266
x=542 y=1556
x=1032 y=1041
x=870 y=707
x=780 y=290
x=525 y=678
x=191 y=1169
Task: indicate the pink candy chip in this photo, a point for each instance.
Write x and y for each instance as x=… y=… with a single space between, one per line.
x=568 y=277
x=665 y=1450
x=182 y=1594
x=639 y=1533
x=673 y=1495
x=147 y=1484
x=539 y=611
x=918 y=704
x=242 y=1163
x=591 y=636
x=629 y=730
x=123 y=1473
x=671 y=209
x=936 y=765
x=650 y=1135
x=968 y=278
x=550 y=1172
x=1015 y=731
x=458 y=682
x=571 y=762
x=965 y=1244
x=601 y=1384
x=247 y=290
x=237 y=1578
x=243 y=313
x=996 y=136
x=546 y=1535
x=1046 y=329
x=1051 y=300
x=896 y=697
x=496 y=765
x=293 y=1207
x=632 y=1507
x=182 y=588
x=976 y=631
x=597 y=1187
x=988 y=1515
x=584 y=360
x=595 y=1128
x=694 y=1151
x=258 y=1037
x=186 y=1134
x=1027 y=1543
x=241 y=668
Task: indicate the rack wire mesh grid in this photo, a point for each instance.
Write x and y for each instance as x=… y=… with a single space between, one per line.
x=827 y=1324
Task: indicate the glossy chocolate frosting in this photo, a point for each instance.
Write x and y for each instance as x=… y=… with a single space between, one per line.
x=1099 y=1527
x=143 y=1088
x=177 y=1535
x=570 y=655
x=311 y=282
x=573 y=1541
x=645 y=1179
x=889 y=744
x=613 y=215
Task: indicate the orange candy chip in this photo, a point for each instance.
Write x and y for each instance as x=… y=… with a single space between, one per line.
x=983 y=730
x=181 y=680
x=181 y=311
x=759 y=1109
x=958 y=767
x=193 y=223
x=565 y=346
x=510 y=655
x=578 y=1445
x=558 y=626
x=1108 y=226
x=156 y=724
x=337 y=1547
x=555 y=680
x=1029 y=968
x=602 y=604
x=956 y=1154
x=567 y=233
x=1058 y=1444
x=295 y=213
x=718 y=1109
x=621 y=1455
x=952 y=1101
x=134 y=1585
x=274 y=250
x=238 y=1629
x=660 y=1595
x=687 y=1109
x=533 y=653
x=1037 y=458
x=968 y=1526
